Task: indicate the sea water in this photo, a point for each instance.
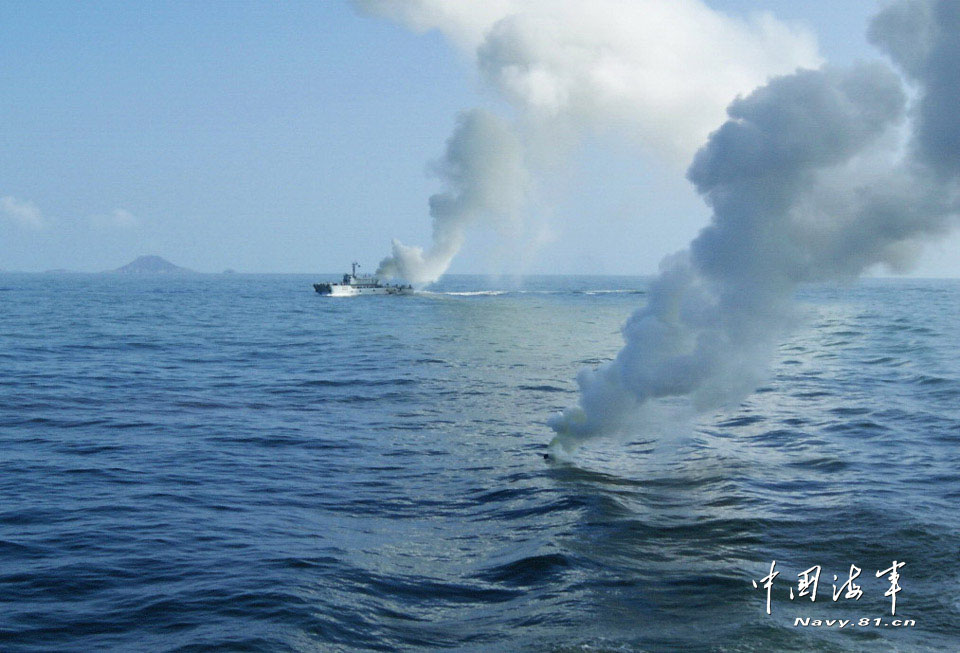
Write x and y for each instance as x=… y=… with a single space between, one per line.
x=234 y=463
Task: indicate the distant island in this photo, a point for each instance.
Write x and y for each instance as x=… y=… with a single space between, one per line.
x=152 y=265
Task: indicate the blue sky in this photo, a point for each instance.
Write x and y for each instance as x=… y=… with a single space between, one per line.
x=294 y=137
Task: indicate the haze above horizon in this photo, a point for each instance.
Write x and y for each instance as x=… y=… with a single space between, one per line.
x=299 y=137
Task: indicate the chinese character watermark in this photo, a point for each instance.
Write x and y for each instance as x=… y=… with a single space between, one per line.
x=894 y=579
x=808 y=582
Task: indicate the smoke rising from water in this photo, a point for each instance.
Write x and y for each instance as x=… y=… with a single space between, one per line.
x=485 y=178
x=659 y=71
x=809 y=180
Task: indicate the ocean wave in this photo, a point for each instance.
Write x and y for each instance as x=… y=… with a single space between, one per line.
x=612 y=292
x=543 y=388
x=469 y=293
x=494 y=293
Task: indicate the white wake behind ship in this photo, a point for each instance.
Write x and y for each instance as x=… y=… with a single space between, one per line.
x=362 y=284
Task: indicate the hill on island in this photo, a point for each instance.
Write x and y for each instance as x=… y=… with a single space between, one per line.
x=151 y=265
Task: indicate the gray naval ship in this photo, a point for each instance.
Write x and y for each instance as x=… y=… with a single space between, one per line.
x=362 y=284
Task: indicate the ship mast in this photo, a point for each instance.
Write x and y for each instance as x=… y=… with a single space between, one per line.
x=355 y=266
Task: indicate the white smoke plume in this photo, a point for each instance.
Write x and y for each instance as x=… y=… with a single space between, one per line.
x=485 y=177
x=809 y=179
x=660 y=71
x=663 y=70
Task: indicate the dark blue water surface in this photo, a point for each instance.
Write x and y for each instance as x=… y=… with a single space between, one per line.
x=234 y=463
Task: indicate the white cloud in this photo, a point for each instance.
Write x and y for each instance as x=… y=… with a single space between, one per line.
x=117 y=218
x=21 y=212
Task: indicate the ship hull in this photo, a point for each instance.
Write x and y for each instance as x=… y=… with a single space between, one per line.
x=340 y=290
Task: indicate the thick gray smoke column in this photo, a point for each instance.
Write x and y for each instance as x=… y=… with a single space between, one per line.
x=485 y=178
x=807 y=181
x=923 y=39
